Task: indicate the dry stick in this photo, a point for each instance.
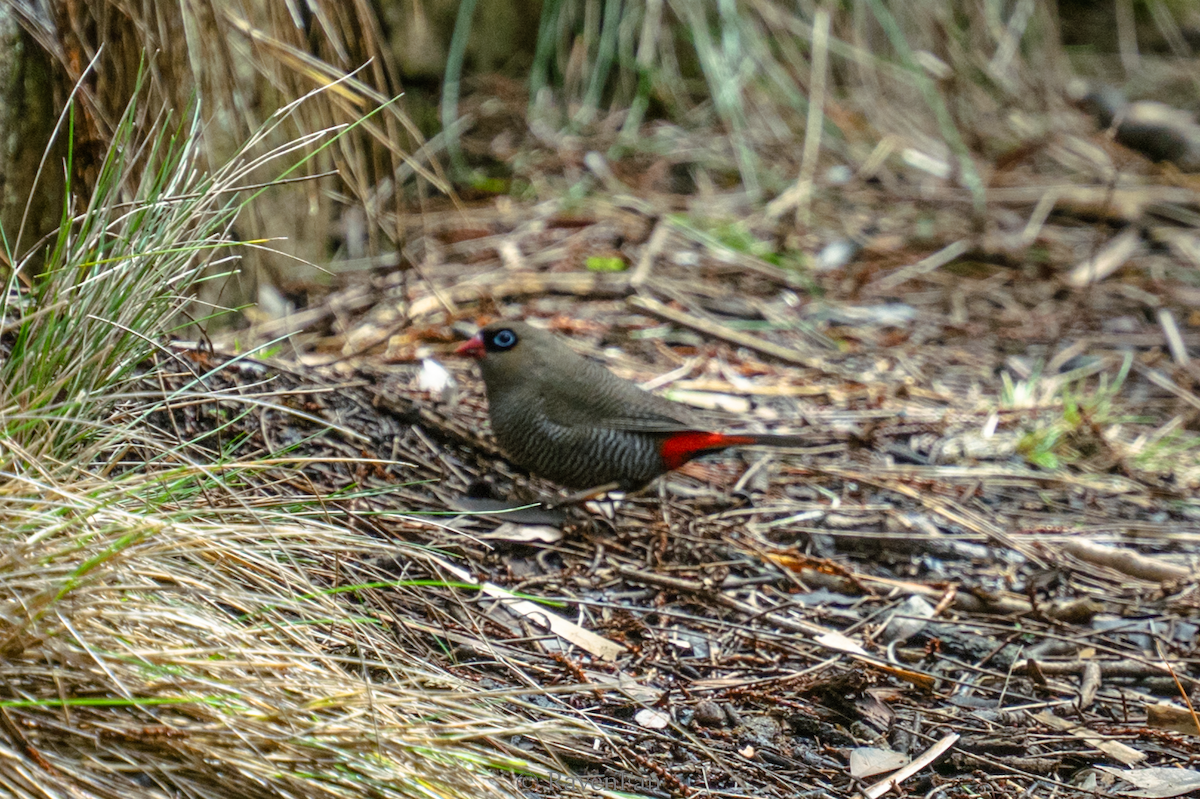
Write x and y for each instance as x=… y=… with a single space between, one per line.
x=500 y=285
x=690 y=587
x=1037 y=219
x=743 y=260
x=962 y=516
x=786 y=354
x=446 y=302
x=658 y=238
x=1126 y=204
x=1000 y=63
x=824 y=636
x=799 y=194
x=350 y=301
x=1114 y=749
x=379 y=337
x=939 y=259
x=1111 y=257
x=1174 y=340
x=1001 y=604
x=816 y=116
x=1127 y=45
x=1184 y=243
x=1129 y=665
x=1108 y=668
x=927 y=757
x=585 y=639
x=1163 y=381
x=1089 y=684
x=1131 y=563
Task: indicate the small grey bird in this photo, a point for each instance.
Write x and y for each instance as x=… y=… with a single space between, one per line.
x=572 y=421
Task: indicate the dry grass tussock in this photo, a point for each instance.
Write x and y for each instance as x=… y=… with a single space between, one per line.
x=145 y=653
x=169 y=627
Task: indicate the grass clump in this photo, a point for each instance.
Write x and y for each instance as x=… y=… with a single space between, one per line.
x=1091 y=427
x=165 y=630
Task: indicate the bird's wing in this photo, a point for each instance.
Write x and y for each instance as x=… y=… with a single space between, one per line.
x=645 y=424
x=615 y=416
x=605 y=401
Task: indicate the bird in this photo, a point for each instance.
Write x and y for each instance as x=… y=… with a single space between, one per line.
x=568 y=419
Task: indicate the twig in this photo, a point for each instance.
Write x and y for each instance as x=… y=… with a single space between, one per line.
x=1170 y=329
x=1163 y=381
x=585 y=639
x=691 y=587
x=786 y=354
x=939 y=259
x=1041 y=212
x=926 y=758
x=1114 y=749
x=1089 y=685
x=799 y=194
x=959 y=515
x=1126 y=562
x=1108 y=668
x=505 y=284
x=1127 y=204
x=816 y=114
x=653 y=247
x=1112 y=257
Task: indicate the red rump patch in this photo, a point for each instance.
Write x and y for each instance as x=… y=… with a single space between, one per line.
x=682 y=447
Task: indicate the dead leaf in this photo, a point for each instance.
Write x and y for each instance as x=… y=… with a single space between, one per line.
x=867 y=761
x=1156 y=782
x=1166 y=716
x=908 y=620
x=1114 y=749
x=926 y=758
x=524 y=533
x=652 y=719
x=581 y=637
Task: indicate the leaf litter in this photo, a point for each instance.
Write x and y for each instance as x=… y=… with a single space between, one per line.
x=985 y=563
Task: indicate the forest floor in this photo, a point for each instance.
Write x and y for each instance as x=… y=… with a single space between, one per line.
x=981 y=578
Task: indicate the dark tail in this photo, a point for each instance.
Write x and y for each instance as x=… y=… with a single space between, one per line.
x=767 y=440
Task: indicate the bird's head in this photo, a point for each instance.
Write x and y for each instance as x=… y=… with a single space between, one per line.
x=510 y=351
x=497 y=341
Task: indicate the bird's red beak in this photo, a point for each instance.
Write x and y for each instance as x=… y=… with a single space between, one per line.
x=472 y=347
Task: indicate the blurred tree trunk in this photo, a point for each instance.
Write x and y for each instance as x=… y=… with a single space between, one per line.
x=27 y=116
x=503 y=33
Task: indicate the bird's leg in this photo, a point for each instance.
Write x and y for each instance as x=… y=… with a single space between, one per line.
x=584 y=495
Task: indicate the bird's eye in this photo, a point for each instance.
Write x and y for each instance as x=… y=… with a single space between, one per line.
x=504 y=339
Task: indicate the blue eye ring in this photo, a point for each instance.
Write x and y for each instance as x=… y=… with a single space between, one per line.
x=504 y=339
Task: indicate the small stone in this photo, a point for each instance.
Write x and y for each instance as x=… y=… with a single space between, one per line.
x=709 y=714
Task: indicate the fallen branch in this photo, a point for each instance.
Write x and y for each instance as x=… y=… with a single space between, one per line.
x=1127 y=562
